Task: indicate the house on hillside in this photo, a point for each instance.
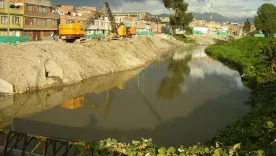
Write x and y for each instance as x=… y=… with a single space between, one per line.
x=235 y=29
x=69 y=15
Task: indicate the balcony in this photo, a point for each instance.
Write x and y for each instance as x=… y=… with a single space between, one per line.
x=12 y=8
x=42 y=15
x=40 y=27
x=16 y=10
x=39 y=2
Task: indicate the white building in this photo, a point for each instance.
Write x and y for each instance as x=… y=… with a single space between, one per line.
x=99 y=26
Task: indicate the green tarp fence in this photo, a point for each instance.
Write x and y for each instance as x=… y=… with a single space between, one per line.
x=14 y=39
x=168 y=33
x=197 y=32
x=275 y=35
x=94 y=36
x=213 y=33
x=223 y=33
x=145 y=33
x=127 y=24
x=259 y=35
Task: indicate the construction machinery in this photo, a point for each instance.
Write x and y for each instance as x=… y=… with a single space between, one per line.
x=75 y=32
x=118 y=30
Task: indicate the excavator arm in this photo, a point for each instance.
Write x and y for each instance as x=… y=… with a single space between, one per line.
x=111 y=18
x=92 y=18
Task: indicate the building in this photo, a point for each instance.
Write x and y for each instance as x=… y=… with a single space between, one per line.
x=15 y=21
x=40 y=19
x=235 y=29
x=100 y=27
x=68 y=14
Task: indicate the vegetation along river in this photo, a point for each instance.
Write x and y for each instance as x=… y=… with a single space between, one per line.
x=181 y=99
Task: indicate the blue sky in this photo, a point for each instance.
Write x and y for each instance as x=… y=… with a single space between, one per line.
x=228 y=8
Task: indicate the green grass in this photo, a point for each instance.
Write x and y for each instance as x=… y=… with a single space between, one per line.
x=183 y=38
x=244 y=55
x=257 y=130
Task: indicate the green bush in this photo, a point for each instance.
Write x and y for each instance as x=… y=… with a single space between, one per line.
x=256 y=131
x=145 y=147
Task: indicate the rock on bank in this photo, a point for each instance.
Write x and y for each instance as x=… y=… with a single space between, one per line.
x=36 y=65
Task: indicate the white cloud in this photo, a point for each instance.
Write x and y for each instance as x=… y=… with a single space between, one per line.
x=228 y=8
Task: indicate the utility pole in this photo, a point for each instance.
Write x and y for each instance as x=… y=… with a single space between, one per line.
x=138 y=16
x=9 y=5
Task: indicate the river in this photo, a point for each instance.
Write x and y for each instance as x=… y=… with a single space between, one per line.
x=183 y=98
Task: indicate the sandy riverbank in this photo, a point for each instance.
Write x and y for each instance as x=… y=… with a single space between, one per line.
x=37 y=65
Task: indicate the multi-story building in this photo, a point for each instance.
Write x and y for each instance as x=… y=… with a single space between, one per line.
x=100 y=26
x=15 y=22
x=40 y=19
x=68 y=14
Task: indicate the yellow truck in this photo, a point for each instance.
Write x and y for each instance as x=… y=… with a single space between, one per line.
x=71 y=32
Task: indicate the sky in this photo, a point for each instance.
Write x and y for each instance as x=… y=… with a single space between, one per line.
x=227 y=8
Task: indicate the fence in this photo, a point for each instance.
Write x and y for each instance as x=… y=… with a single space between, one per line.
x=14 y=39
x=223 y=33
x=197 y=32
x=29 y=144
x=259 y=35
x=94 y=36
x=145 y=33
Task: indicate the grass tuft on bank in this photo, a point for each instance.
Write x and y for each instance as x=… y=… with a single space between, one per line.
x=257 y=130
x=183 y=38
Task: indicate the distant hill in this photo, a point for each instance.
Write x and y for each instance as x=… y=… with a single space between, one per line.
x=216 y=17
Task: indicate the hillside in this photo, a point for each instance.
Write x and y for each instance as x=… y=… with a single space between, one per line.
x=216 y=17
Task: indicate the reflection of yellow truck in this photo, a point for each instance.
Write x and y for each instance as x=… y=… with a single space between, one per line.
x=71 y=32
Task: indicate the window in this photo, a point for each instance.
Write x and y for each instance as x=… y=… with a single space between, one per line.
x=4 y=20
x=1 y=4
x=30 y=8
x=97 y=23
x=16 y=20
x=40 y=21
x=29 y=21
x=54 y=22
x=42 y=9
x=101 y=23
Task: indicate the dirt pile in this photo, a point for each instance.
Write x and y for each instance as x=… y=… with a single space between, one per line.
x=36 y=65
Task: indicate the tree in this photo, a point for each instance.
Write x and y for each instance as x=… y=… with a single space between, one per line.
x=247 y=26
x=180 y=19
x=265 y=19
x=170 y=86
x=269 y=51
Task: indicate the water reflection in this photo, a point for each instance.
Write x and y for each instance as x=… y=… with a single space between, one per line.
x=202 y=97
x=74 y=103
x=170 y=86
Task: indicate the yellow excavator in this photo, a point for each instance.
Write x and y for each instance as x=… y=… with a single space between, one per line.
x=75 y=32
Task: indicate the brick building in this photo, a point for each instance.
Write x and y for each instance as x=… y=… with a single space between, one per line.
x=68 y=14
x=40 y=19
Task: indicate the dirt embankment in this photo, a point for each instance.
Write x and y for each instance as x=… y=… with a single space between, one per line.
x=36 y=65
x=32 y=102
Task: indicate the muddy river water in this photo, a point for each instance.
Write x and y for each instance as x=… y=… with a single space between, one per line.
x=181 y=99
